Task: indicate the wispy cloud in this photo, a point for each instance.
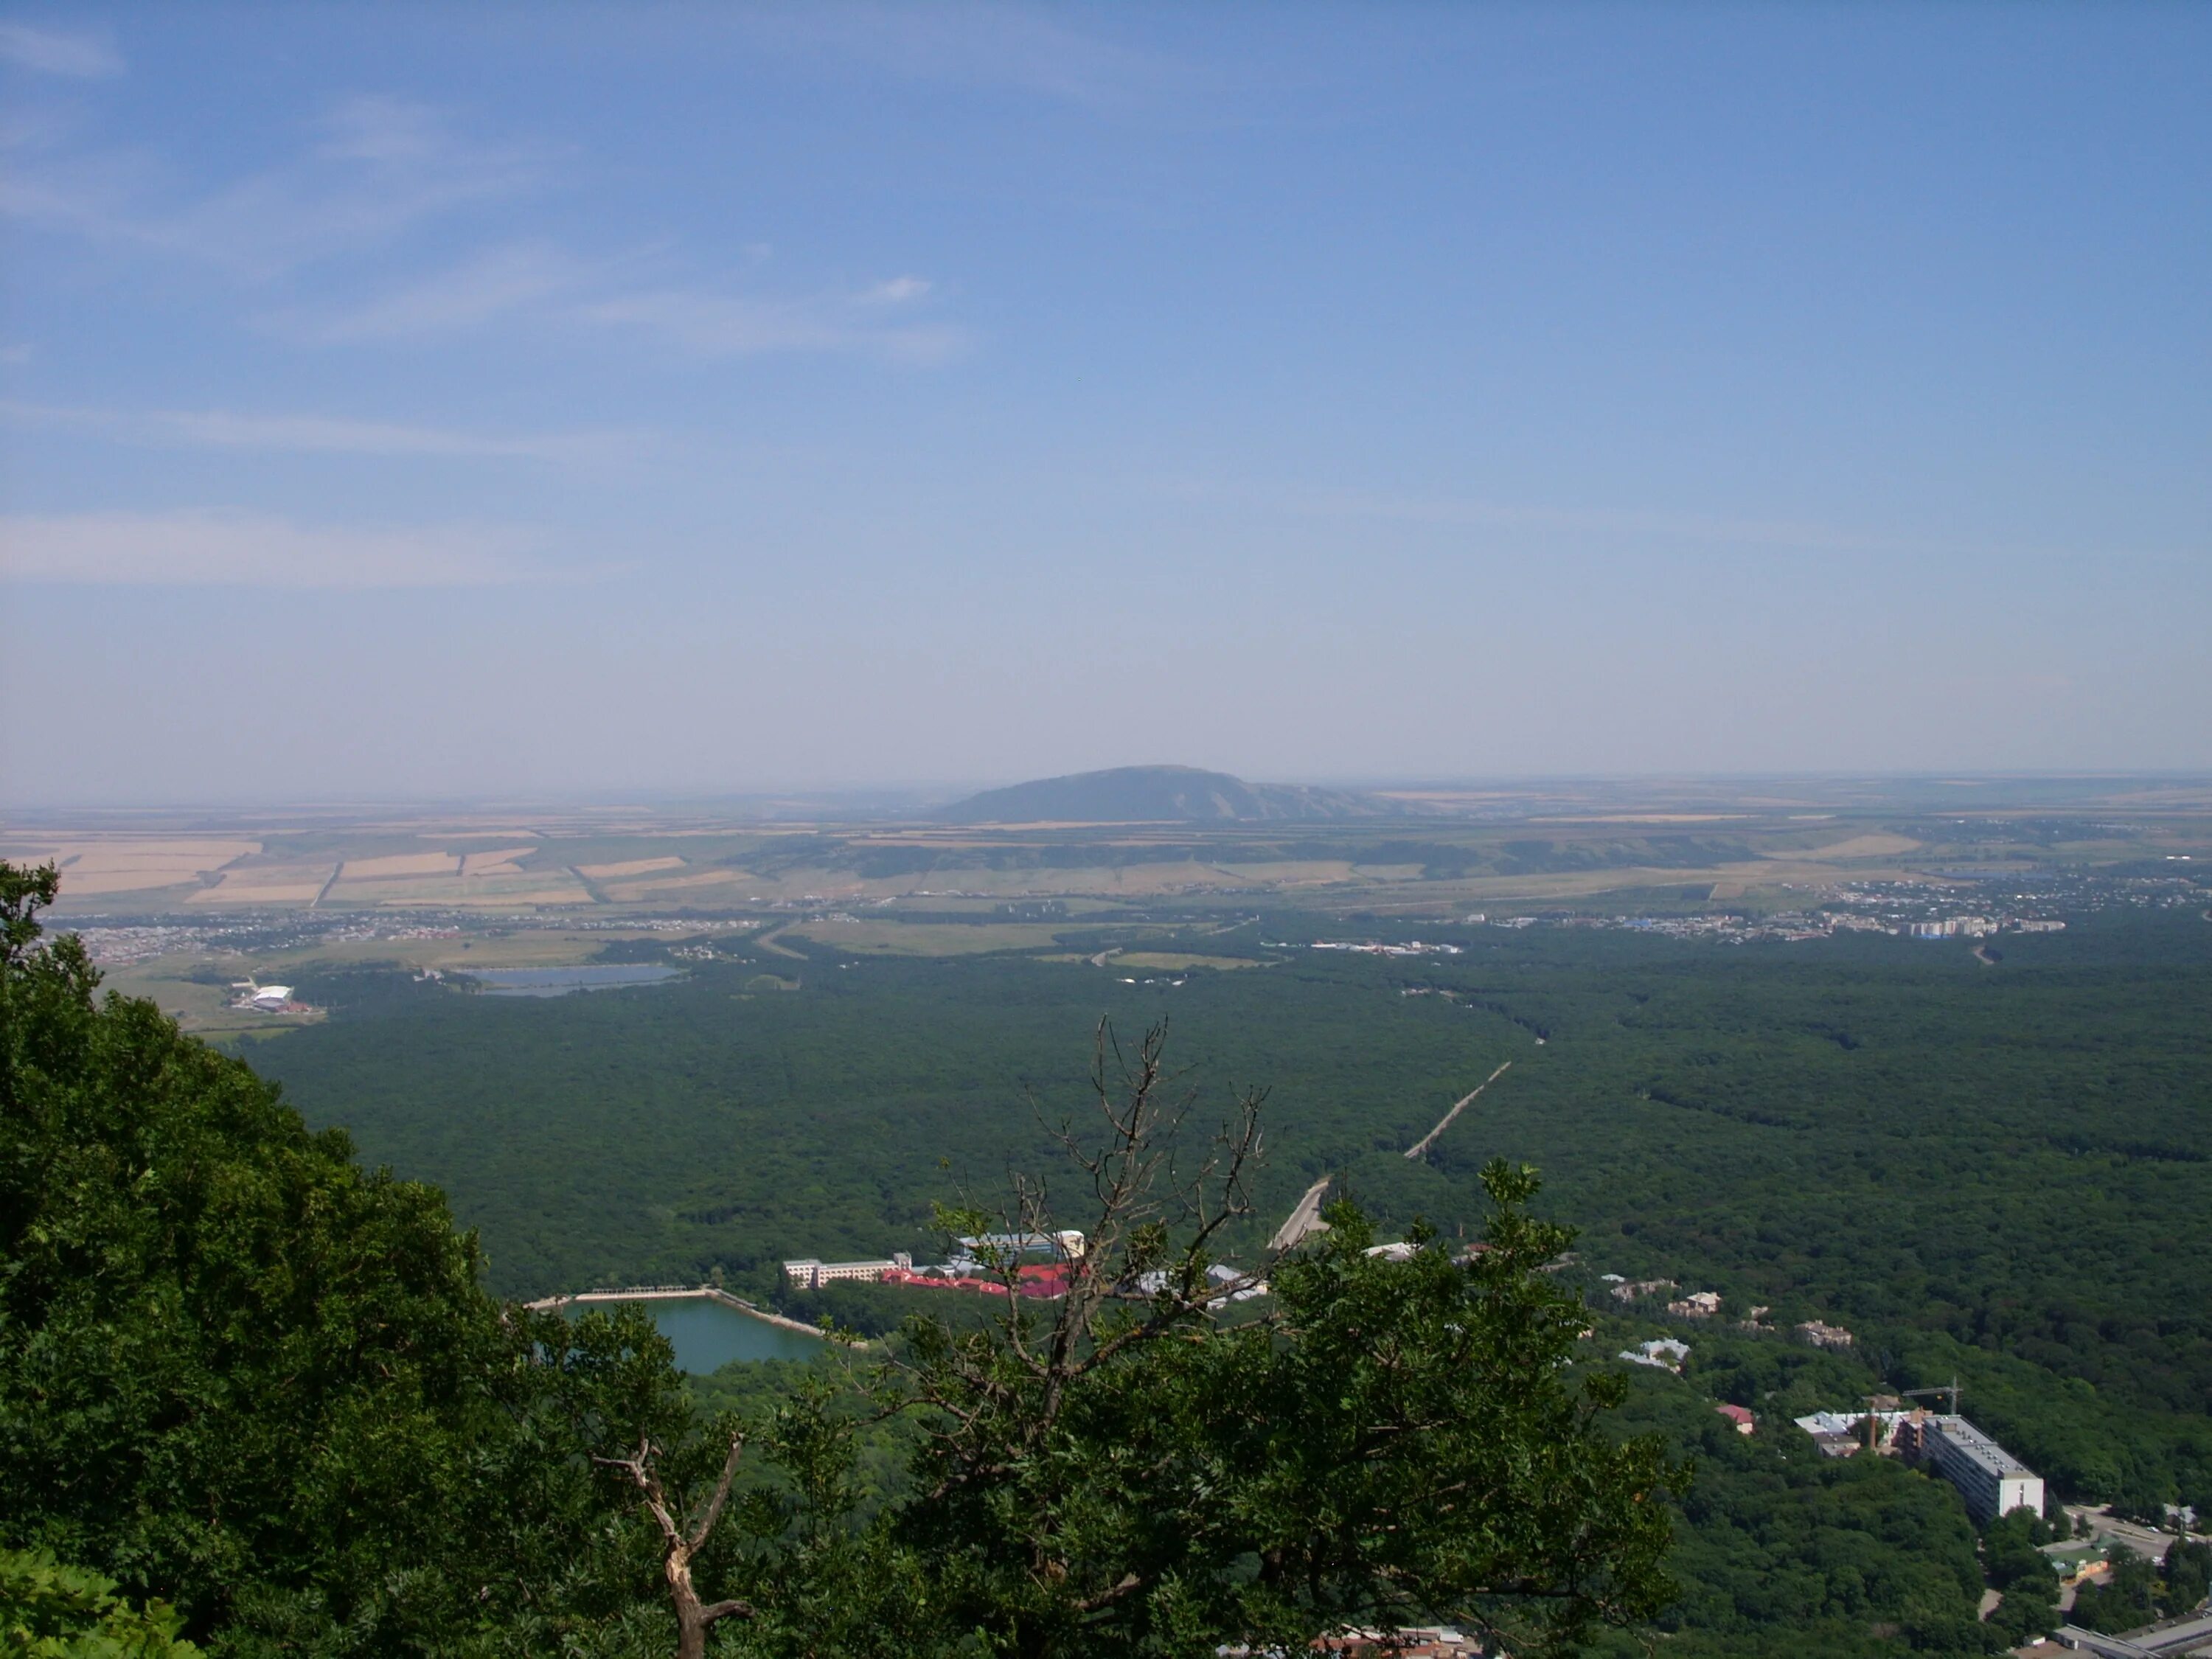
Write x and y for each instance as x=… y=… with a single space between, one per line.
x=377 y=168
x=495 y=283
x=46 y=51
x=544 y=286
x=732 y=325
x=380 y=170
x=896 y=292
x=237 y=549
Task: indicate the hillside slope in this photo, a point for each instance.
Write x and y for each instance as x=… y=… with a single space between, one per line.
x=1155 y=794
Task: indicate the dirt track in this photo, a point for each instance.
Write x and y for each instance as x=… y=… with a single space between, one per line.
x=1414 y=1152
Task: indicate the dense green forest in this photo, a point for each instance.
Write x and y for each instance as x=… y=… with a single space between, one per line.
x=1999 y=1171
x=255 y=1399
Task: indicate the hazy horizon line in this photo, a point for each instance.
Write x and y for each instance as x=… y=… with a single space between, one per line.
x=886 y=795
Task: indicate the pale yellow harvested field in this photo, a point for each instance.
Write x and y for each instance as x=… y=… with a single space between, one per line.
x=267 y=883
x=1729 y=880
x=90 y=868
x=499 y=863
x=157 y=863
x=1121 y=881
x=838 y=886
x=83 y=884
x=400 y=865
x=511 y=887
x=522 y=887
x=689 y=885
x=633 y=868
x=347 y=893
x=190 y=855
x=1134 y=880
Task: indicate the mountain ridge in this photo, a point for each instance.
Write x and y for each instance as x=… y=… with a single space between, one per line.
x=1157 y=794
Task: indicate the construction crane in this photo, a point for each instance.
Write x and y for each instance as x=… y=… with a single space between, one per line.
x=1950 y=1387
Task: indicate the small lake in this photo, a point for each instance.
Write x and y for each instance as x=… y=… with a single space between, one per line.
x=707 y=1335
x=560 y=981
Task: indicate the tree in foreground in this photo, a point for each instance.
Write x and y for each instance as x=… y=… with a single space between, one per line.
x=1153 y=1465
x=241 y=1375
x=52 y=1611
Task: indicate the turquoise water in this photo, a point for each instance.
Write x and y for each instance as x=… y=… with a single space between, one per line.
x=559 y=981
x=707 y=1335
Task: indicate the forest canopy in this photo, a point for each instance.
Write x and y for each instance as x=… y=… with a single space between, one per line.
x=243 y=1378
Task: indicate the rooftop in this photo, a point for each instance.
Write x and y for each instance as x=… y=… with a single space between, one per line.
x=1978 y=1446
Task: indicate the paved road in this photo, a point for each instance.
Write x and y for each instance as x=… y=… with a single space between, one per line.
x=2152 y=1641
x=1303 y=1220
x=2143 y=1540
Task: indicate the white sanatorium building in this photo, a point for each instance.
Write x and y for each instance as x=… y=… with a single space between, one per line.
x=809 y=1273
x=1990 y=1478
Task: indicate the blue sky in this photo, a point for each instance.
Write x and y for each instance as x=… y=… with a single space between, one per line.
x=423 y=400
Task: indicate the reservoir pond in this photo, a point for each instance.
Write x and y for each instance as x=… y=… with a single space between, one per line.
x=707 y=1335
x=560 y=981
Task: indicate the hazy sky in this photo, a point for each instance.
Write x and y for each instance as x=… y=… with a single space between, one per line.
x=455 y=399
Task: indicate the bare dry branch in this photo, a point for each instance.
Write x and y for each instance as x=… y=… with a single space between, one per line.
x=713 y=1512
x=693 y=1618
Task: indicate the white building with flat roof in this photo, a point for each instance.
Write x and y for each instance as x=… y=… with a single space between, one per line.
x=810 y=1274
x=1990 y=1478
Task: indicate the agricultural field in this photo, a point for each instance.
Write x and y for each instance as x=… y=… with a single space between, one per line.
x=1540 y=847
x=555 y=889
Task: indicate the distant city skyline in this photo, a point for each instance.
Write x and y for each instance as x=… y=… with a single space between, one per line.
x=684 y=400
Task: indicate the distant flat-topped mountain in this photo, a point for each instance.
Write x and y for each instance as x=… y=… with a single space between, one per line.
x=1155 y=794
